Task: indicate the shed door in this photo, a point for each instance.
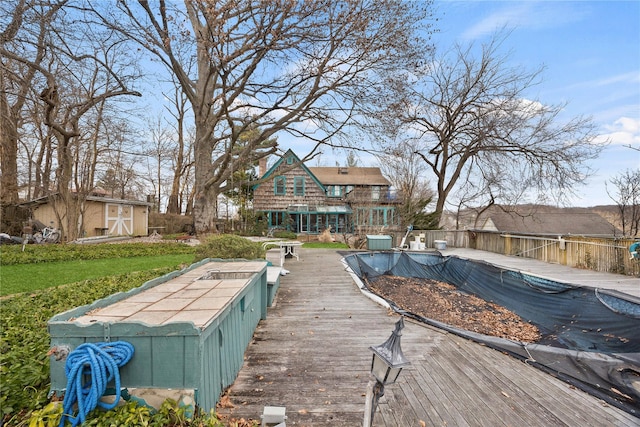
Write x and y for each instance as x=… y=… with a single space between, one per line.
x=120 y=219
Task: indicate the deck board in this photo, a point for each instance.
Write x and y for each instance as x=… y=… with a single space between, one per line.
x=312 y=355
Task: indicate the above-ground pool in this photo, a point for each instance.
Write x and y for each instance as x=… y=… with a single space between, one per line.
x=590 y=336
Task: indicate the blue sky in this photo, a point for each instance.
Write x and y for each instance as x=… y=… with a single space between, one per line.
x=591 y=54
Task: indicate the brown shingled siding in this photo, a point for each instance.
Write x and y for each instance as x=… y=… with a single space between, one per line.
x=265 y=199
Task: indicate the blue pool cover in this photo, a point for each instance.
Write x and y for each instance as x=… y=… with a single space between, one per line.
x=590 y=336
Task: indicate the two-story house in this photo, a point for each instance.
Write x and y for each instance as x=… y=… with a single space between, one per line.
x=305 y=199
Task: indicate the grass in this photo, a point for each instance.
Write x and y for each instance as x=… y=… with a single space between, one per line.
x=34 y=254
x=44 y=280
x=325 y=245
x=24 y=340
x=41 y=267
x=30 y=277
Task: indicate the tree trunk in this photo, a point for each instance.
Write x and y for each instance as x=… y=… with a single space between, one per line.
x=63 y=179
x=440 y=207
x=173 y=206
x=8 y=152
x=204 y=211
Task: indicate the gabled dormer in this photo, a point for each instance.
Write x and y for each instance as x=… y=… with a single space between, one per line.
x=288 y=182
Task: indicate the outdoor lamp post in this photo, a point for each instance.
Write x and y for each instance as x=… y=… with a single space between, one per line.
x=386 y=365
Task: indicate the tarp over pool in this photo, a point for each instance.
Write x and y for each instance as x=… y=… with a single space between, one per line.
x=590 y=336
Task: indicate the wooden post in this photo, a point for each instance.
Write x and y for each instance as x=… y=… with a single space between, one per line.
x=375 y=390
x=507 y=244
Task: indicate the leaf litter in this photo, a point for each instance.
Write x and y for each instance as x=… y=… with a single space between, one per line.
x=444 y=303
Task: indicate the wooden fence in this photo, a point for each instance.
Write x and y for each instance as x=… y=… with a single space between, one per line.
x=594 y=253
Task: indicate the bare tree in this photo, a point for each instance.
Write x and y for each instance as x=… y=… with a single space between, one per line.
x=407 y=173
x=36 y=151
x=159 y=151
x=65 y=118
x=79 y=71
x=181 y=160
x=469 y=116
x=116 y=166
x=272 y=65
x=351 y=160
x=24 y=26
x=626 y=196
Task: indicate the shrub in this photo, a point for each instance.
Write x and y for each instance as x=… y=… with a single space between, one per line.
x=24 y=364
x=228 y=246
x=24 y=340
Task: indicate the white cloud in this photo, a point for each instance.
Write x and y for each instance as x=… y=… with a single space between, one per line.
x=623 y=131
x=530 y=15
x=630 y=78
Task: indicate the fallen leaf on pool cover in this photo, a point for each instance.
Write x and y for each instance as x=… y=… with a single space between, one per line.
x=444 y=303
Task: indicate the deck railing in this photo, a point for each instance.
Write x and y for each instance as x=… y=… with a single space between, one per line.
x=610 y=255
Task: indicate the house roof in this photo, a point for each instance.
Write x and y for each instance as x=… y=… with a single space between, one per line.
x=295 y=160
x=349 y=175
x=324 y=175
x=45 y=199
x=557 y=223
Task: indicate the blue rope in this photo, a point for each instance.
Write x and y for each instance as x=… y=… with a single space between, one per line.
x=89 y=368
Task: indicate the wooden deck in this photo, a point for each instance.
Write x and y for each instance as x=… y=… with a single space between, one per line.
x=312 y=355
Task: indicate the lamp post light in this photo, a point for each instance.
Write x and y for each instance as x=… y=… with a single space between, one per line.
x=386 y=365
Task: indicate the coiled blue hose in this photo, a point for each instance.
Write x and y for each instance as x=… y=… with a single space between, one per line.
x=89 y=368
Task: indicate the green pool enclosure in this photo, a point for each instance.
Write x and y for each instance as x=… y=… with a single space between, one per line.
x=189 y=328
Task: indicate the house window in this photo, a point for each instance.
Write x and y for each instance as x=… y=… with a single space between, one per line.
x=376 y=216
x=278 y=219
x=290 y=160
x=362 y=216
x=334 y=191
x=298 y=186
x=391 y=217
x=375 y=192
x=280 y=186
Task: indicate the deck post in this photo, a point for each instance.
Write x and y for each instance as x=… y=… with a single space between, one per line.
x=375 y=390
x=386 y=365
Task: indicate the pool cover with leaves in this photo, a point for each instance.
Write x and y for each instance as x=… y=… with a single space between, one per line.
x=589 y=337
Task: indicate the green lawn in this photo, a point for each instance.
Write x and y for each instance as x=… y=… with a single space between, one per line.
x=325 y=245
x=29 y=277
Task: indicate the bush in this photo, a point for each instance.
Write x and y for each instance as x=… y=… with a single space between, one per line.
x=24 y=364
x=229 y=246
x=24 y=340
x=132 y=414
